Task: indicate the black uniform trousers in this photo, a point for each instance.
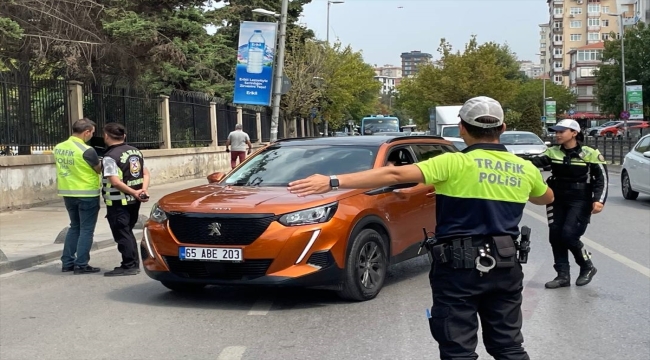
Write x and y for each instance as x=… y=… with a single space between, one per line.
x=568 y=217
x=459 y=294
x=122 y=220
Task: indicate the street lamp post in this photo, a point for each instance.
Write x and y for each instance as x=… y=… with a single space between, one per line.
x=329 y=3
x=622 y=31
x=279 y=67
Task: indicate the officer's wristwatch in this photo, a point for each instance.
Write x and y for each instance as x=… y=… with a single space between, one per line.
x=334 y=182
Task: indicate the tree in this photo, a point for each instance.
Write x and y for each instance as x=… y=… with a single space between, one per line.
x=512 y=119
x=637 y=67
x=350 y=89
x=303 y=66
x=486 y=69
x=531 y=120
x=532 y=92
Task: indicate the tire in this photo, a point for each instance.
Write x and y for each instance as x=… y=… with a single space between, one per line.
x=182 y=287
x=626 y=187
x=365 y=268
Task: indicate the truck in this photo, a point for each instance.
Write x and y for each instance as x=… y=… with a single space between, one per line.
x=444 y=120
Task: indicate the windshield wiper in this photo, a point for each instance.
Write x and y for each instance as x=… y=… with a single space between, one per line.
x=239 y=183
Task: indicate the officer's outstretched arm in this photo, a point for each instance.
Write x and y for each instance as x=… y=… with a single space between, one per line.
x=541 y=161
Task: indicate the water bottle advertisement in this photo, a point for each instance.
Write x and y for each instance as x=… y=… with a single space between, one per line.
x=255 y=58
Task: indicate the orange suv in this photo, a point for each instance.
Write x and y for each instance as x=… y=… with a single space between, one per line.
x=246 y=228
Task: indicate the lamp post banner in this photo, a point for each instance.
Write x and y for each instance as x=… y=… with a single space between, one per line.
x=634 y=95
x=255 y=59
x=550 y=112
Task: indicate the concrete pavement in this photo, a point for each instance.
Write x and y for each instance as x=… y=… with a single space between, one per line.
x=50 y=315
x=27 y=237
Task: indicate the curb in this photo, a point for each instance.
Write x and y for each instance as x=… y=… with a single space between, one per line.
x=34 y=260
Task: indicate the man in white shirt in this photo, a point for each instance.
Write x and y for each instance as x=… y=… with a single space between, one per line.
x=238 y=139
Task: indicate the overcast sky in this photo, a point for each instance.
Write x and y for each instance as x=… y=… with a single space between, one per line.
x=383 y=30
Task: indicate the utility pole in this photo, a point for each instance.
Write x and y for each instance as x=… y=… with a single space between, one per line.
x=279 y=68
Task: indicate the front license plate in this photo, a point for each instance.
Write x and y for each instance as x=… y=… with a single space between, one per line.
x=210 y=254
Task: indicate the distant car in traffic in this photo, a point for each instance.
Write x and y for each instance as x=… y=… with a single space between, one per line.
x=595 y=131
x=635 y=174
x=459 y=143
x=524 y=144
x=245 y=228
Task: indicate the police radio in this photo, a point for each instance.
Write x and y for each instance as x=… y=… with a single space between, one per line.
x=523 y=245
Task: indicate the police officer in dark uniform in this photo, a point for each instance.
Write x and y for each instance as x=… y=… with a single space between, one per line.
x=481 y=193
x=124 y=187
x=579 y=181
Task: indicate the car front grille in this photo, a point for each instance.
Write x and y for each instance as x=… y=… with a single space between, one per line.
x=233 y=229
x=207 y=270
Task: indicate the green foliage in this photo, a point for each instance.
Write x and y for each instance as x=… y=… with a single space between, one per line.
x=488 y=69
x=637 y=67
x=531 y=120
x=512 y=119
x=532 y=92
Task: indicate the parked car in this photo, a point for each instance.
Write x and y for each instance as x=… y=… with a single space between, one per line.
x=524 y=144
x=635 y=174
x=619 y=129
x=245 y=228
x=459 y=143
x=595 y=131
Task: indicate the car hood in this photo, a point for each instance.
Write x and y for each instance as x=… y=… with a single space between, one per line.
x=213 y=198
x=526 y=149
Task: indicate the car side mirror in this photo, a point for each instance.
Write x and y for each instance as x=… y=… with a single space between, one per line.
x=547 y=143
x=216 y=177
x=647 y=154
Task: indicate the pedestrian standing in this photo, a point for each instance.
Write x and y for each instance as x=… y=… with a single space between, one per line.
x=481 y=193
x=239 y=139
x=125 y=185
x=78 y=182
x=579 y=181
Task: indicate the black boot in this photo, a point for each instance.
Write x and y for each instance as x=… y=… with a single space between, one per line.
x=563 y=277
x=587 y=272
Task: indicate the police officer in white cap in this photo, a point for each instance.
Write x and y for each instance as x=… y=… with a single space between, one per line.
x=579 y=182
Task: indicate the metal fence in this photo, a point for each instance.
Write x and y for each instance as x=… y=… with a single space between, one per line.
x=249 y=123
x=613 y=149
x=226 y=121
x=33 y=112
x=266 y=126
x=134 y=109
x=189 y=120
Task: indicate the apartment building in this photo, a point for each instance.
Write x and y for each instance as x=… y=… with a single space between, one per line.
x=389 y=70
x=544 y=30
x=530 y=69
x=388 y=84
x=411 y=60
x=583 y=63
x=576 y=23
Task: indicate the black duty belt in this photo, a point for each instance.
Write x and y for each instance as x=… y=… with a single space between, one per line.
x=483 y=254
x=568 y=185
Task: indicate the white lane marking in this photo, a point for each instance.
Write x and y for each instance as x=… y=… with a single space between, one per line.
x=47 y=264
x=232 y=353
x=261 y=307
x=602 y=249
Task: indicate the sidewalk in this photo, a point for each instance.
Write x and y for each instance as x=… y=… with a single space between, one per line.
x=27 y=237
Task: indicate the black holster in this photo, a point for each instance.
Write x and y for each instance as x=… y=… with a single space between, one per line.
x=505 y=251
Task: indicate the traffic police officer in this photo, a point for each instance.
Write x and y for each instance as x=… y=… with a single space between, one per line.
x=481 y=195
x=77 y=179
x=579 y=181
x=125 y=185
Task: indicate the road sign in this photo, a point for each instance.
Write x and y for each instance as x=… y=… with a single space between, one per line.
x=286 y=85
x=571 y=112
x=625 y=115
x=543 y=118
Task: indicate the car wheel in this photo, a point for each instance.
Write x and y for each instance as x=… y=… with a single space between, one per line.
x=366 y=267
x=626 y=187
x=182 y=287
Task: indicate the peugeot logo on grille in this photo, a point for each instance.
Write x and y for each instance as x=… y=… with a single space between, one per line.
x=215 y=229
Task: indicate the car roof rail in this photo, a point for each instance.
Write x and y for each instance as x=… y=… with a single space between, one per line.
x=402 y=137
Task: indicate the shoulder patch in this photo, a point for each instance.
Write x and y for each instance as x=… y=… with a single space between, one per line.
x=601 y=157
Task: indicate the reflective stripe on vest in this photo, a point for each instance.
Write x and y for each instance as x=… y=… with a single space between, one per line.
x=75 y=177
x=111 y=194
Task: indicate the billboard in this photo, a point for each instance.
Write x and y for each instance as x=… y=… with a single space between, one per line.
x=550 y=112
x=255 y=59
x=634 y=95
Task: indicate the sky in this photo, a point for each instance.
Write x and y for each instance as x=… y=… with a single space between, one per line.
x=382 y=30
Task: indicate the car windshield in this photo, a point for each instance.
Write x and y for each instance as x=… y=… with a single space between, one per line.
x=520 y=139
x=371 y=126
x=451 y=131
x=279 y=165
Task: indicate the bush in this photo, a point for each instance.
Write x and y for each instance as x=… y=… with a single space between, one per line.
x=531 y=120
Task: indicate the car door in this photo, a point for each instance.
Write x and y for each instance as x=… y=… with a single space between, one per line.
x=639 y=166
x=403 y=207
x=425 y=152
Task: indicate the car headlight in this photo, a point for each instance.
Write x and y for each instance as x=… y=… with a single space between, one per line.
x=157 y=214
x=315 y=215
